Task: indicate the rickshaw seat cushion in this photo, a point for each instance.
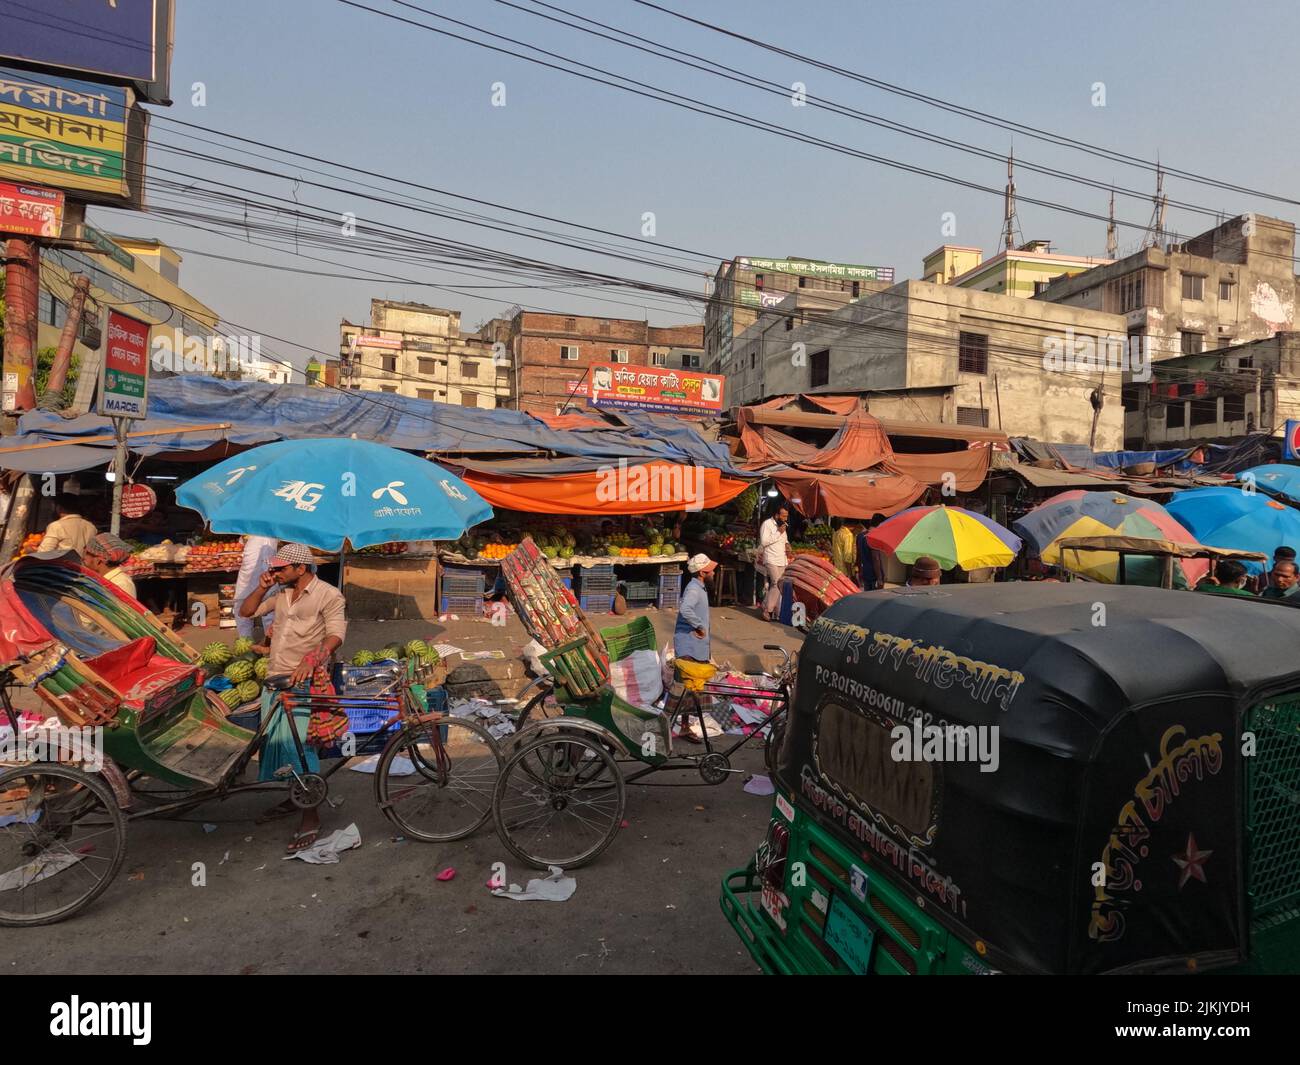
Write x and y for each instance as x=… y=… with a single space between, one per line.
x=138 y=672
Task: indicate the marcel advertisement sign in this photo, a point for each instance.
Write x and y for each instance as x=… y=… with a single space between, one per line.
x=124 y=377
x=654 y=389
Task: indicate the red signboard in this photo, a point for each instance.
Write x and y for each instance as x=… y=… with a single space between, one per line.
x=30 y=210
x=124 y=375
x=655 y=388
x=138 y=500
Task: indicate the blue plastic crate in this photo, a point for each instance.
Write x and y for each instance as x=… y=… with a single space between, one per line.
x=596 y=604
x=462 y=604
x=670 y=591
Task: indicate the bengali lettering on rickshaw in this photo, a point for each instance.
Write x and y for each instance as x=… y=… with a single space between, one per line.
x=1152 y=796
x=910 y=862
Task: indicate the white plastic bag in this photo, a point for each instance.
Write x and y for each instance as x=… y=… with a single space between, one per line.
x=638 y=678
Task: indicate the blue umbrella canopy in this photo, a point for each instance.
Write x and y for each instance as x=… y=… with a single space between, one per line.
x=1236 y=518
x=1273 y=477
x=321 y=492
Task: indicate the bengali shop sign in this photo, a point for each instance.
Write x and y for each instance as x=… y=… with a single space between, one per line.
x=72 y=135
x=30 y=211
x=655 y=389
x=124 y=375
x=819 y=268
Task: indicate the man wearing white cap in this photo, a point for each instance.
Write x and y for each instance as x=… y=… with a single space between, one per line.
x=691 y=639
x=309 y=627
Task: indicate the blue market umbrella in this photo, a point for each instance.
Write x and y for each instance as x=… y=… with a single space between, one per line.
x=1274 y=477
x=321 y=492
x=1233 y=518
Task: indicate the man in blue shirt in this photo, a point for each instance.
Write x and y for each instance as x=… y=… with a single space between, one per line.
x=691 y=633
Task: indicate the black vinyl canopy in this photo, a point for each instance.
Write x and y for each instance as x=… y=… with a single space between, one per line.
x=1101 y=829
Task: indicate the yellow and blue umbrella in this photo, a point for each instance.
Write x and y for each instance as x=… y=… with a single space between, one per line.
x=952 y=536
x=1080 y=513
x=321 y=492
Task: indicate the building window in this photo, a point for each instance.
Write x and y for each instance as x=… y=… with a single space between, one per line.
x=387 y=388
x=758 y=282
x=1040 y=287
x=803 y=282
x=1205 y=411
x=1246 y=363
x=819 y=368
x=569 y=352
x=1234 y=407
x=856 y=290
x=618 y=354
x=570 y=324
x=1191 y=343
x=428 y=367
x=691 y=361
x=469 y=399
x=973 y=416
x=1225 y=291
x=425 y=393
x=468 y=369
x=659 y=358
x=604 y=327
x=53 y=311
x=1176 y=416
x=973 y=353
x=753 y=360
x=789 y=324
x=1193 y=287
x=1129 y=396
x=388 y=363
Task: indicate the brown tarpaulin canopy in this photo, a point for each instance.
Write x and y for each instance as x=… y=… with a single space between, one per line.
x=847 y=495
x=968 y=467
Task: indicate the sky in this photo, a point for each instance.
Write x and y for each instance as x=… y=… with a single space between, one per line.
x=1205 y=87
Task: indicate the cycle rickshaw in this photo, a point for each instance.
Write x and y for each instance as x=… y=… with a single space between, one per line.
x=560 y=796
x=119 y=679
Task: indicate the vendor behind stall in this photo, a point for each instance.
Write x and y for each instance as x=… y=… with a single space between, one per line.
x=105 y=555
x=70 y=531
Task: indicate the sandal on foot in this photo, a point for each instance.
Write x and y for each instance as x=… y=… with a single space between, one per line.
x=302 y=840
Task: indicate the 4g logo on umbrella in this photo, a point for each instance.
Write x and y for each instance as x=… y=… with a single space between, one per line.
x=304 y=495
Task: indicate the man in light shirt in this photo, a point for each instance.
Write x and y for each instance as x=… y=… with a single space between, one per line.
x=773 y=554
x=105 y=555
x=258 y=552
x=70 y=531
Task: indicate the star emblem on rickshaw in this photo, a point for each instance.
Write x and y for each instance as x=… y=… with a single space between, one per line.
x=1191 y=862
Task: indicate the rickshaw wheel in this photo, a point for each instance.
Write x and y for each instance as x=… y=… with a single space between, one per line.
x=308 y=791
x=556 y=727
x=75 y=827
x=714 y=768
x=554 y=804
x=447 y=794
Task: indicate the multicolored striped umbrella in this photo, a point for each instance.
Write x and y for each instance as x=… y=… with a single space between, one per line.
x=1080 y=513
x=952 y=536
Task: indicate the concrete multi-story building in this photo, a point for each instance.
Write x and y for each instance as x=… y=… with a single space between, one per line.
x=1232 y=284
x=1216 y=396
x=944 y=353
x=550 y=354
x=414 y=350
x=1024 y=271
x=746 y=286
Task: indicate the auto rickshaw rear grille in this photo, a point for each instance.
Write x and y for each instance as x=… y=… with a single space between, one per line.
x=897 y=923
x=1273 y=806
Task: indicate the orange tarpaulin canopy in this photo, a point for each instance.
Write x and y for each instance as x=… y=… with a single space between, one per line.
x=641 y=488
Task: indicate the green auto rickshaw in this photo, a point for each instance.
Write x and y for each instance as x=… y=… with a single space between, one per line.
x=1035 y=778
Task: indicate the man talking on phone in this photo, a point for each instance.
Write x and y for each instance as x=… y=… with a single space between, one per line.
x=773 y=554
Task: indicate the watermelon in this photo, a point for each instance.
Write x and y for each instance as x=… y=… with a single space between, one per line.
x=239 y=671
x=260 y=667
x=390 y=653
x=230 y=697
x=243 y=645
x=416 y=649
x=363 y=658
x=248 y=691
x=215 y=655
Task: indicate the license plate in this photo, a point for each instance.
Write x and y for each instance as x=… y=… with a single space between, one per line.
x=849 y=936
